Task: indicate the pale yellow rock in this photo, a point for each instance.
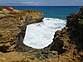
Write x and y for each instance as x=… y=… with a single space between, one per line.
x=2 y=15
x=15 y=10
x=6 y=11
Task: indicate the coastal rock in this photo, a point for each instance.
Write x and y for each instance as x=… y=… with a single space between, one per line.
x=17 y=57
x=68 y=41
x=67 y=45
x=13 y=26
x=60 y=41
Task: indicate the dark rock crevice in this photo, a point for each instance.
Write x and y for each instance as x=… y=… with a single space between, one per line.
x=4 y=49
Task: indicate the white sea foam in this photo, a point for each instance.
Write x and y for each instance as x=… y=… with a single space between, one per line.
x=40 y=35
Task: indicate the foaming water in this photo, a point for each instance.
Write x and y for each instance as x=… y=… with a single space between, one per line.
x=40 y=35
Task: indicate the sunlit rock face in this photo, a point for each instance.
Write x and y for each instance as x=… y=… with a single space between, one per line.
x=40 y=35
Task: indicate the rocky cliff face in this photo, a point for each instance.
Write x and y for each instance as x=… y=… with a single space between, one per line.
x=69 y=41
x=67 y=45
x=13 y=25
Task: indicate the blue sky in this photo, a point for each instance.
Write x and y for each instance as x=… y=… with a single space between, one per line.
x=42 y=2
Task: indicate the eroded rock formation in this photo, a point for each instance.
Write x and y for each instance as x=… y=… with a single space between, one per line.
x=67 y=45
x=13 y=25
x=69 y=41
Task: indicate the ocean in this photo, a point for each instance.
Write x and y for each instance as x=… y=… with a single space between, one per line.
x=40 y=35
x=52 y=11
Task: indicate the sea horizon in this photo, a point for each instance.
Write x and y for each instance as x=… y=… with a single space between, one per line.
x=41 y=30
x=60 y=12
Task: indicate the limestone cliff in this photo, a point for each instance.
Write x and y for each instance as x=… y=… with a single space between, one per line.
x=13 y=25
x=67 y=45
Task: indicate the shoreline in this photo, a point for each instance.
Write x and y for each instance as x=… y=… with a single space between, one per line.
x=66 y=46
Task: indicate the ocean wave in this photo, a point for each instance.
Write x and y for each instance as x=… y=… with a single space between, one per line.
x=40 y=35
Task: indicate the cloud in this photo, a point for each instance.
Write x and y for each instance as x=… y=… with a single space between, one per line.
x=42 y=2
x=28 y=3
x=24 y=3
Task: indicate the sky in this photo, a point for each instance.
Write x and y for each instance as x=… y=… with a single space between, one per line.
x=41 y=2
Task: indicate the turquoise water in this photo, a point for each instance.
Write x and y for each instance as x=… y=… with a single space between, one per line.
x=52 y=11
